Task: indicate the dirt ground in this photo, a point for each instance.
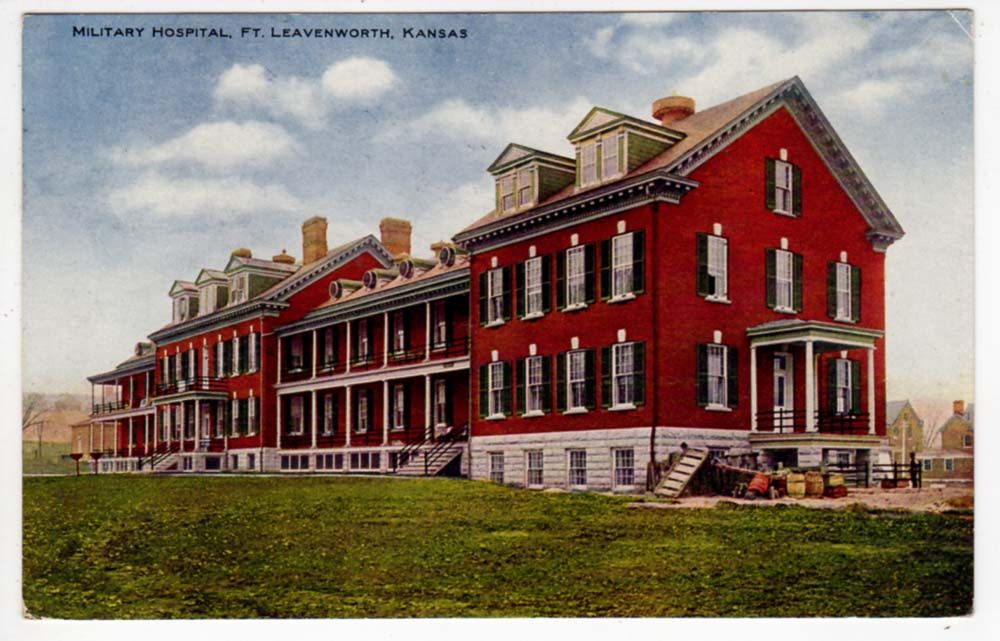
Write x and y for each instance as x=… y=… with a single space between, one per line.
x=927 y=499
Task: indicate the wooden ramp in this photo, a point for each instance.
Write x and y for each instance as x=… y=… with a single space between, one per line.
x=674 y=482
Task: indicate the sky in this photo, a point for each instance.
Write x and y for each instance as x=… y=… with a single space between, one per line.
x=147 y=159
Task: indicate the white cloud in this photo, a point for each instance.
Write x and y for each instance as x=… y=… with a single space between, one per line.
x=162 y=196
x=307 y=101
x=648 y=19
x=456 y=208
x=869 y=99
x=217 y=146
x=358 y=78
x=542 y=127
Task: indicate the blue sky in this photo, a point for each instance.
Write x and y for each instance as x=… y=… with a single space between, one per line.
x=147 y=159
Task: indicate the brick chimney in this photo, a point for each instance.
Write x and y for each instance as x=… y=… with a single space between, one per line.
x=396 y=235
x=313 y=239
x=672 y=108
x=958 y=407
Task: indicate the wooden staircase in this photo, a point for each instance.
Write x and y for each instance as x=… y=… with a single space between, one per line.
x=680 y=474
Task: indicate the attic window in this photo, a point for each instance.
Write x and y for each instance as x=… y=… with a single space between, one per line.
x=525 y=188
x=588 y=164
x=180 y=309
x=609 y=156
x=507 y=193
x=207 y=296
x=239 y=289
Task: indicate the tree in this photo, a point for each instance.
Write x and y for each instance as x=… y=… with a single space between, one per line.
x=32 y=415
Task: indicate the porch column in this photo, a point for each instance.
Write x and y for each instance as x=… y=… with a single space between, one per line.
x=130 y=433
x=385 y=410
x=347 y=343
x=156 y=426
x=428 y=419
x=91 y=438
x=103 y=428
x=871 y=390
x=314 y=363
x=810 y=375
x=278 y=405
x=197 y=424
x=183 y=424
x=347 y=407
x=313 y=414
x=427 y=332
x=385 y=340
x=281 y=363
x=753 y=388
x=169 y=427
x=145 y=434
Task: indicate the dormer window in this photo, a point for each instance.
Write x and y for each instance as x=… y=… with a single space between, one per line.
x=239 y=290
x=609 y=157
x=588 y=164
x=180 y=309
x=207 y=297
x=525 y=188
x=507 y=193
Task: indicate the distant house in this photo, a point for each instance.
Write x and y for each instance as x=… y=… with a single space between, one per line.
x=952 y=460
x=905 y=430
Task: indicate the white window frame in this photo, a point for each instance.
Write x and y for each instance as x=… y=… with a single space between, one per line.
x=440 y=311
x=534 y=388
x=440 y=403
x=238 y=291
x=927 y=464
x=844 y=292
x=206 y=300
x=236 y=356
x=784 y=280
x=783 y=187
x=329 y=415
x=718 y=376
x=967 y=440
x=525 y=183
x=494 y=297
x=234 y=419
x=588 y=164
x=252 y=352
x=622 y=261
x=398 y=332
x=576 y=375
x=575 y=472
x=576 y=277
x=623 y=477
x=496 y=387
x=534 y=468
x=206 y=357
x=718 y=267
x=399 y=406
x=297 y=415
x=192 y=365
x=949 y=465
x=534 y=304
x=623 y=375
x=362 y=427
x=508 y=199
x=845 y=392
x=610 y=142
x=364 y=342
x=496 y=460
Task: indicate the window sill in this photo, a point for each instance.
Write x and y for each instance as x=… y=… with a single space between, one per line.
x=576 y=410
x=623 y=298
x=718 y=299
x=624 y=407
x=841 y=319
x=398 y=429
x=439 y=348
x=784 y=310
x=495 y=323
x=533 y=316
x=718 y=408
x=575 y=308
x=533 y=414
x=788 y=214
x=495 y=417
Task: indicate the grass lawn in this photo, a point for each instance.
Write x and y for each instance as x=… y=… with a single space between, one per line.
x=190 y=547
x=50 y=461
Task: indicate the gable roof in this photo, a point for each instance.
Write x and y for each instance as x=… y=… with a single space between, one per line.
x=709 y=131
x=599 y=119
x=893 y=408
x=183 y=286
x=514 y=154
x=235 y=262
x=207 y=275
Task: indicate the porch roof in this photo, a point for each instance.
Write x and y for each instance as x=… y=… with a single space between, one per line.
x=835 y=335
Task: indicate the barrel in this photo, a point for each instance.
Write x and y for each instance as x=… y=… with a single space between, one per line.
x=796 y=485
x=759 y=484
x=834 y=480
x=814 y=484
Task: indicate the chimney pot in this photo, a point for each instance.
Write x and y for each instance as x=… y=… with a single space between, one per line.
x=242 y=252
x=672 y=108
x=313 y=240
x=958 y=407
x=283 y=257
x=396 y=235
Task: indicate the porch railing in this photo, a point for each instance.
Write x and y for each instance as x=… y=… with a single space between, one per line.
x=193 y=384
x=826 y=422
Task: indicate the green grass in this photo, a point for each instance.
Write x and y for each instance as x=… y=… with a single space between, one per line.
x=168 y=547
x=50 y=461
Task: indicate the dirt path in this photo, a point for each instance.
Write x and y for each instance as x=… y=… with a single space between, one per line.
x=932 y=499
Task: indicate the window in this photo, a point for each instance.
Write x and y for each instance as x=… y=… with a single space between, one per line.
x=252 y=347
x=220 y=419
x=399 y=407
x=206 y=298
x=784 y=280
x=609 y=157
x=717 y=376
x=364 y=344
x=535 y=380
x=577 y=468
x=717 y=369
x=535 y=463
x=252 y=415
x=844 y=393
x=496 y=467
x=843 y=458
x=497 y=387
x=399 y=332
x=623 y=374
x=329 y=414
x=967 y=440
x=927 y=464
x=949 y=465
x=576 y=277
x=329 y=347
x=588 y=164
x=440 y=313
x=533 y=301
x=239 y=289
x=220 y=359
x=363 y=412
x=621 y=258
x=713 y=259
x=441 y=403
x=576 y=380
x=180 y=309
x=496 y=296
x=624 y=462
x=843 y=287
x=783 y=184
x=843 y=291
x=234 y=463
x=205 y=359
x=507 y=193
x=525 y=188
x=296 y=353
x=297 y=415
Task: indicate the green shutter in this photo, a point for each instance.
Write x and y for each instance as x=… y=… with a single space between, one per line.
x=483 y=391
x=561 y=382
x=770 y=272
x=769 y=184
x=546 y=284
x=588 y=267
x=519 y=391
x=605 y=269
x=506 y=292
x=796 y=191
x=732 y=377
x=855 y=293
x=546 y=383
x=831 y=289
x=590 y=369
x=506 y=388
x=702 y=375
x=831 y=385
x=855 y=387
x=703 y=282
x=520 y=290
x=797 y=282
x=483 y=314
x=606 y=377
x=561 y=280
x=639 y=372
x=638 y=262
